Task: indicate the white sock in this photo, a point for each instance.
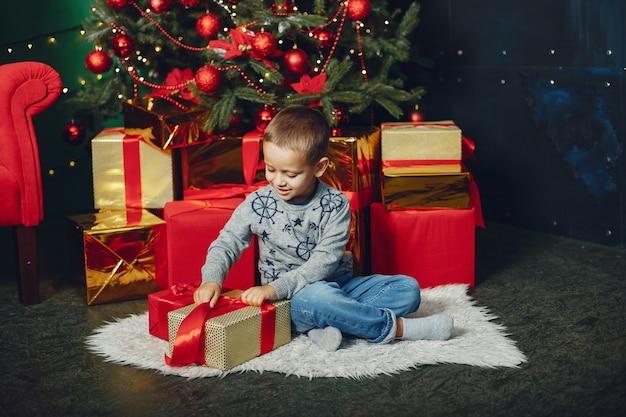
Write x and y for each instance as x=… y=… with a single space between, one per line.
x=329 y=338
x=435 y=327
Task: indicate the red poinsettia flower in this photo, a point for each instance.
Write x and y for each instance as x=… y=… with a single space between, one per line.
x=180 y=79
x=241 y=43
x=311 y=85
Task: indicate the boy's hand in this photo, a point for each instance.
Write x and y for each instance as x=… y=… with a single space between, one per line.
x=209 y=292
x=255 y=296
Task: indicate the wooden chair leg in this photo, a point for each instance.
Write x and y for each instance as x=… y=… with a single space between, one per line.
x=28 y=286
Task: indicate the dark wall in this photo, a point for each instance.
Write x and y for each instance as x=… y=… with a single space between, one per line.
x=539 y=86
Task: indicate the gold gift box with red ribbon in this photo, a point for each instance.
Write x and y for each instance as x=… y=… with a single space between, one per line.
x=422 y=166
x=354 y=159
x=165 y=122
x=421 y=147
x=233 y=332
x=118 y=255
x=129 y=172
x=225 y=160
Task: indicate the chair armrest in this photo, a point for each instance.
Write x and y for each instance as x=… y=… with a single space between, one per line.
x=26 y=89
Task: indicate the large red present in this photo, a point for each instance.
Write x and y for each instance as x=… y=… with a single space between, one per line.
x=162 y=302
x=435 y=246
x=191 y=226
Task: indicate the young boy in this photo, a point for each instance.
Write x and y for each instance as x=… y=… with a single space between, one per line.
x=303 y=226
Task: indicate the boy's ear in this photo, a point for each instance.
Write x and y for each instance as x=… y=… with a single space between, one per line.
x=321 y=165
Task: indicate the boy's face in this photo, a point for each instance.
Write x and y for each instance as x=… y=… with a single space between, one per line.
x=289 y=172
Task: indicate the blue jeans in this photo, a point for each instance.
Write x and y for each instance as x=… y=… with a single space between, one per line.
x=365 y=307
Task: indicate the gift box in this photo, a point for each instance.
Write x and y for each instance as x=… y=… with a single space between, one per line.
x=118 y=255
x=191 y=227
x=233 y=161
x=233 y=332
x=435 y=246
x=162 y=302
x=129 y=172
x=167 y=123
x=421 y=147
x=354 y=160
x=354 y=166
x=415 y=190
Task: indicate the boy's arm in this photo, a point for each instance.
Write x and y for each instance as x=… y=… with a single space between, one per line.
x=226 y=249
x=324 y=259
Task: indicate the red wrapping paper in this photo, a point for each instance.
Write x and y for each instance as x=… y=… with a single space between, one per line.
x=435 y=246
x=162 y=302
x=191 y=226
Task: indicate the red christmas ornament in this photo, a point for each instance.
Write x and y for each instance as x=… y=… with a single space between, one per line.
x=207 y=78
x=263 y=118
x=416 y=116
x=282 y=7
x=189 y=3
x=264 y=44
x=208 y=25
x=117 y=4
x=98 y=61
x=160 y=6
x=123 y=46
x=73 y=133
x=359 y=9
x=296 y=60
x=325 y=36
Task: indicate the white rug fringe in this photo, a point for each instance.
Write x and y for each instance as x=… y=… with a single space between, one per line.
x=475 y=341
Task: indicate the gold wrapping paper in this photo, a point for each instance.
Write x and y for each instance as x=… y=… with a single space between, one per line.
x=425 y=146
x=113 y=253
x=109 y=178
x=402 y=191
x=354 y=168
x=164 y=123
x=359 y=241
x=234 y=338
x=354 y=159
x=216 y=162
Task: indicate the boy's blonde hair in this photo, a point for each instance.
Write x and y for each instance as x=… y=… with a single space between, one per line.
x=301 y=129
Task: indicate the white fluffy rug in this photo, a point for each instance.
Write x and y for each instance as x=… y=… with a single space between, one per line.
x=476 y=341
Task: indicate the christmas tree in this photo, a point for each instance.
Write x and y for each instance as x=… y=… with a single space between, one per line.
x=245 y=59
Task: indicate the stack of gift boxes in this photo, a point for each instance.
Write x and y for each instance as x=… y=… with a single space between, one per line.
x=424 y=225
x=164 y=189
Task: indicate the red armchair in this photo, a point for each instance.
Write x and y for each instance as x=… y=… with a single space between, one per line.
x=26 y=89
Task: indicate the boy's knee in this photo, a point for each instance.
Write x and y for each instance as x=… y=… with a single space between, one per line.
x=412 y=293
x=311 y=293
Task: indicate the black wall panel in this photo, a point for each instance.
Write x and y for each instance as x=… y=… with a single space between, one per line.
x=539 y=86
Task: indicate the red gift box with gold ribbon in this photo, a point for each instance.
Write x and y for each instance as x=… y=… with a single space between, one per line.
x=228 y=334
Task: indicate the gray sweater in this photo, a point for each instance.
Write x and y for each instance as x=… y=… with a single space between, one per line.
x=299 y=243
